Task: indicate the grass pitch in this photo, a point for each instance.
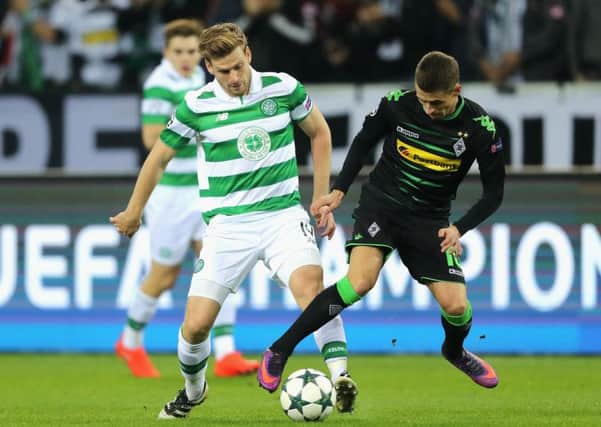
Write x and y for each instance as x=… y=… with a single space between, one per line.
x=97 y=390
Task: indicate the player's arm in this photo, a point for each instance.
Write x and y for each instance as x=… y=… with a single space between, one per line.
x=157 y=106
x=375 y=126
x=151 y=133
x=492 y=175
x=491 y=162
x=128 y=221
x=318 y=131
x=177 y=134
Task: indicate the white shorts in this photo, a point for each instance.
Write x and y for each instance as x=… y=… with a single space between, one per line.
x=283 y=240
x=174 y=220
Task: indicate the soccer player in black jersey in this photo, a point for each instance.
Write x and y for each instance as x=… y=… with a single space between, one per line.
x=432 y=135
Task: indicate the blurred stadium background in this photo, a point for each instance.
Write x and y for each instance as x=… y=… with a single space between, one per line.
x=70 y=148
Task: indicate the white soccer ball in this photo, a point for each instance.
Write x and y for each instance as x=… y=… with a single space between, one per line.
x=308 y=395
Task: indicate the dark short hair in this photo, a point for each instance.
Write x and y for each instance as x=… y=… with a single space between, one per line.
x=181 y=28
x=437 y=72
x=220 y=40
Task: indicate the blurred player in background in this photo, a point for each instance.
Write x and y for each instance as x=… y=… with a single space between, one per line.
x=243 y=123
x=173 y=213
x=432 y=136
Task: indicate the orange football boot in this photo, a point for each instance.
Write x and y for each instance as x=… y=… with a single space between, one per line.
x=234 y=364
x=137 y=361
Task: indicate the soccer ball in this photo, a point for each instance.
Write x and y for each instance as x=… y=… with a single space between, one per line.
x=307 y=395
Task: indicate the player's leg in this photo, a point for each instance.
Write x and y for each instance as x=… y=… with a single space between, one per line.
x=456 y=320
x=193 y=350
x=228 y=361
x=368 y=250
x=229 y=252
x=456 y=315
x=130 y=346
x=306 y=283
x=419 y=247
x=172 y=219
x=365 y=265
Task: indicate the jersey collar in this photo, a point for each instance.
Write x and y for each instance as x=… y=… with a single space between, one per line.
x=256 y=84
x=172 y=72
x=457 y=111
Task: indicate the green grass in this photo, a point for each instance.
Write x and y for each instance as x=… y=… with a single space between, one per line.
x=96 y=390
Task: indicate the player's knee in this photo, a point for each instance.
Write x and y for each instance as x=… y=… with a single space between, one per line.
x=363 y=287
x=168 y=283
x=164 y=285
x=306 y=283
x=195 y=330
x=164 y=278
x=304 y=294
x=311 y=289
x=454 y=307
x=362 y=284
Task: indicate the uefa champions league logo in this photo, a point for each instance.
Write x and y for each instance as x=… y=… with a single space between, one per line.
x=254 y=143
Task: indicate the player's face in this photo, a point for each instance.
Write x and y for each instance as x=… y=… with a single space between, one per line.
x=232 y=72
x=183 y=53
x=438 y=105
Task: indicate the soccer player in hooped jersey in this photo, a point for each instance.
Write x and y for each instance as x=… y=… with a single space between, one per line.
x=242 y=124
x=173 y=213
x=432 y=136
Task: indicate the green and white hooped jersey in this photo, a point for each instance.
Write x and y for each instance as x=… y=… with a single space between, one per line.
x=164 y=89
x=246 y=151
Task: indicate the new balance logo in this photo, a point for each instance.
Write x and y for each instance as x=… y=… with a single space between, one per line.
x=334 y=309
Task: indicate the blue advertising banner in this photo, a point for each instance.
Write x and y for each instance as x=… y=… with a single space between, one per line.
x=533 y=273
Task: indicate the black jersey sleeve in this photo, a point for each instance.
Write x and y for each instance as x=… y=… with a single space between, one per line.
x=375 y=127
x=491 y=162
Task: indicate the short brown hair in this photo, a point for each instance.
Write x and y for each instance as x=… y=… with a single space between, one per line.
x=220 y=40
x=181 y=28
x=437 y=72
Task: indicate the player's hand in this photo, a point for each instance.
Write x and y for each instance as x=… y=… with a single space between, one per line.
x=450 y=239
x=324 y=205
x=327 y=225
x=126 y=223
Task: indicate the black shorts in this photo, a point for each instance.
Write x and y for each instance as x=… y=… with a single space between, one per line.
x=414 y=236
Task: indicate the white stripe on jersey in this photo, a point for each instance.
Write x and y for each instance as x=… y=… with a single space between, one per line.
x=165 y=76
x=234 y=167
x=254 y=195
x=180 y=128
x=183 y=165
x=226 y=133
x=302 y=111
x=157 y=106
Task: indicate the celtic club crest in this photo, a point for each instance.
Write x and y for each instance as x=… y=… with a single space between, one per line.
x=254 y=143
x=269 y=107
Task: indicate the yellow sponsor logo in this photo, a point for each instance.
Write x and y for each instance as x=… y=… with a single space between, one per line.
x=426 y=159
x=97 y=37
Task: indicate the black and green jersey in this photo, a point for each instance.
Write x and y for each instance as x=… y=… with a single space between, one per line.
x=423 y=160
